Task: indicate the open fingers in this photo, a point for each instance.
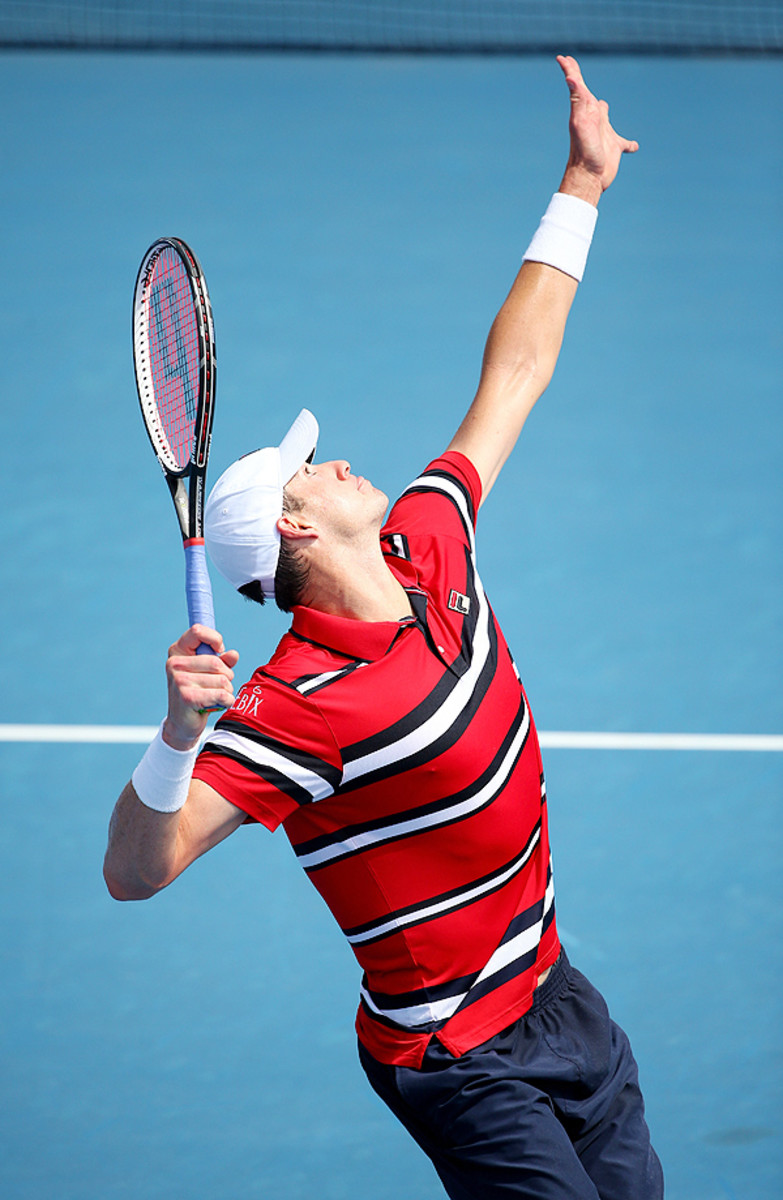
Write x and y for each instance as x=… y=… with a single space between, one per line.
x=596 y=147
x=625 y=144
x=574 y=79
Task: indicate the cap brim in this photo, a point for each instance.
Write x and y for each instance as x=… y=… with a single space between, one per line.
x=298 y=445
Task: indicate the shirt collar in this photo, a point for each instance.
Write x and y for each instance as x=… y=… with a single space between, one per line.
x=368 y=640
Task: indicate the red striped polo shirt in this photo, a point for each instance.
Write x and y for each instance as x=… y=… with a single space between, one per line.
x=402 y=760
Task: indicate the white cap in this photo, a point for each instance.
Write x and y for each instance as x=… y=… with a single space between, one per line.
x=244 y=506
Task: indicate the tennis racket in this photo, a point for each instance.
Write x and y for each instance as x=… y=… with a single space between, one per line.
x=176 y=372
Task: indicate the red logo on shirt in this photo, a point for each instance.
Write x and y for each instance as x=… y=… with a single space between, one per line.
x=458 y=602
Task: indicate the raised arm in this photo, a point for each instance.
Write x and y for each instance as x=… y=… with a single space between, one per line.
x=525 y=338
x=153 y=838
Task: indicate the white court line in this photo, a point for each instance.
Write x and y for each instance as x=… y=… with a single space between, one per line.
x=123 y=734
x=661 y=741
x=113 y=734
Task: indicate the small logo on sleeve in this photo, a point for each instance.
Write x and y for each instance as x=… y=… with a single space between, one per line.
x=458 y=602
x=248 y=701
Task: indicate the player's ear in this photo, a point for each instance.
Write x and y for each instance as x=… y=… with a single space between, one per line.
x=296 y=527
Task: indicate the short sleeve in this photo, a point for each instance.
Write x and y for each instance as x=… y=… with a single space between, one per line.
x=271 y=753
x=442 y=502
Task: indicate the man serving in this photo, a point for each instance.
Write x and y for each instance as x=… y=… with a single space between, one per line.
x=391 y=737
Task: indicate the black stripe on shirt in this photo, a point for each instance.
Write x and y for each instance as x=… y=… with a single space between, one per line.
x=455 y=899
x=439 y=473
x=389 y=824
x=295 y=755
x=517 y=966
x=306 y=687
x=387 y=738
x=388 y=1002
x=465 y=985
x=266 y=772
x=470 y=622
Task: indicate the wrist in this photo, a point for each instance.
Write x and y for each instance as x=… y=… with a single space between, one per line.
x=564 y=235
x=176 y=739
x=162 y=778
x=580 y=182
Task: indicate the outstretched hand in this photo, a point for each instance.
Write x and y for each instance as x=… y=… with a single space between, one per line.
x=596 y=149
x=197 y=683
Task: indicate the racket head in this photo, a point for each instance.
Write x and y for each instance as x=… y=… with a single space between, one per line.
x=175 y=364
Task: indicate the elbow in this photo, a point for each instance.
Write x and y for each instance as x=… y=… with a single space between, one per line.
x=124 y=889
x=534 y=375
x=520 y=379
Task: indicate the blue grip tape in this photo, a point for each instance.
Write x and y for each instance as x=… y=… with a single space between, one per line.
x=198 y=589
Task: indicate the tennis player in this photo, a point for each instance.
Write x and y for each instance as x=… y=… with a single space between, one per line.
x=391 y=737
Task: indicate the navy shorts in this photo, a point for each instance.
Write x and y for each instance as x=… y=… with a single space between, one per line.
x=548 y=1109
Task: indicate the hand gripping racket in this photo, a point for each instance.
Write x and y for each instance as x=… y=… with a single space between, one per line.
x=174 y=357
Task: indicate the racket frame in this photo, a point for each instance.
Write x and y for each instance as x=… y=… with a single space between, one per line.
x=186 y=482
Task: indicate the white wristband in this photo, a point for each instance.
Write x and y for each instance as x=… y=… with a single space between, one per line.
x=563 y=238
x=162 y=778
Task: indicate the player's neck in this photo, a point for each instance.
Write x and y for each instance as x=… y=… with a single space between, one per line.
x=359 y=586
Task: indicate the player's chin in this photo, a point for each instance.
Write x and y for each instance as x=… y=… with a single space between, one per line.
x=381 y=500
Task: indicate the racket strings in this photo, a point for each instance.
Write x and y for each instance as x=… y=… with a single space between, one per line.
x=174 y=353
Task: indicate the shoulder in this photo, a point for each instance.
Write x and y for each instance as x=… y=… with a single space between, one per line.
x=274 y=705
x=276 y=702
x=443 y=500
x=271 y=752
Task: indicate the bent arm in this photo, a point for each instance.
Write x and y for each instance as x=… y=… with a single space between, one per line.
x=148 y=848
x=525 y=339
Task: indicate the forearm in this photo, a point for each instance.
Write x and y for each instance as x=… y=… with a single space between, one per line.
x=165 y=819
x=519 y=359
x=145 y=833
x=525 y=338
x=141 y=855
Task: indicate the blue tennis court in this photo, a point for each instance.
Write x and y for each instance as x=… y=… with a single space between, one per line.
x=359 y=220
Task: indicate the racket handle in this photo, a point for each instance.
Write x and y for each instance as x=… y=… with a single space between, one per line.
x=198 y=589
